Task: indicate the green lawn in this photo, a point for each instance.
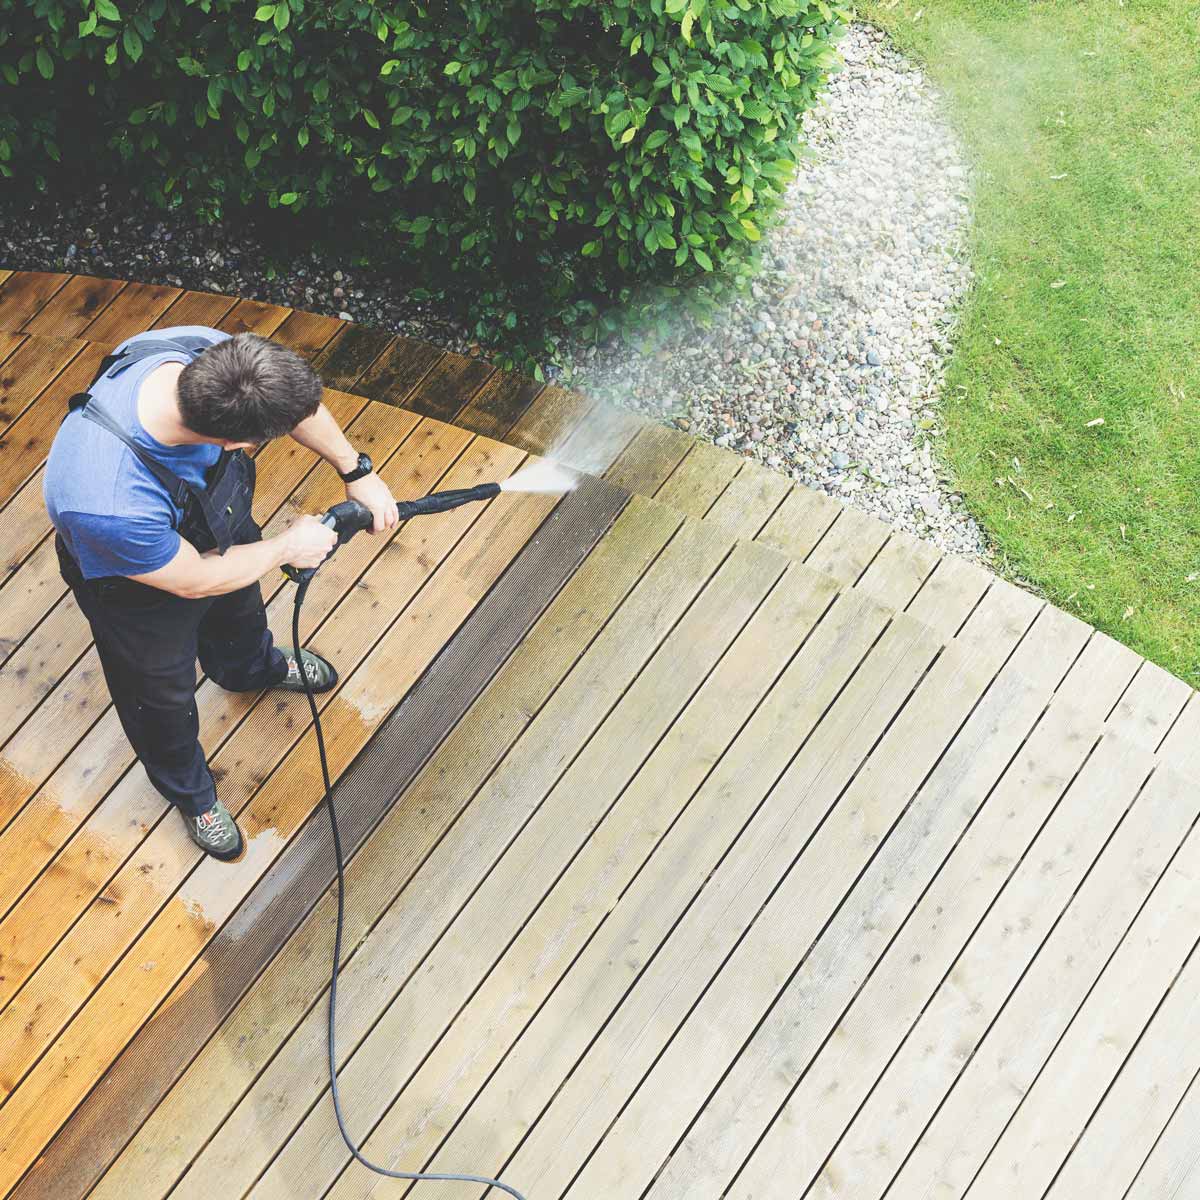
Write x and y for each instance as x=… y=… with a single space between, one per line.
x=1082 y=122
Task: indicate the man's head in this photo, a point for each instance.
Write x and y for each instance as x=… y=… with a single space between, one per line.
x=246 y=390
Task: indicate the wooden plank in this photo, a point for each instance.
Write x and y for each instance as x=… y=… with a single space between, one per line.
x=253 y=316
x=749 y=501
x=1153 y=1081
x=849 y=546
x=939 y=602
x=548 y=420
x=1181 y=747
x=891 y=828
x=123 y=1100
x=185 y=923
x=4 y=275
x=647 y=462
x=26 y=442
x=28 y=371
x=1033 y=886
x=9 y=342
x=74 y=307
x=900 y=569
x=699 y=479
x=571 y=832
x=307 y=333
x=446 y=388
x=850 y=1054
x=23 y=524
x=196 y=308
x=25 y=294
x=135 y=310
x=398 y=370
x=342 y=363
x=35 y=590
x=1102 y=658
x=1173 y=1166
x=598 y=440
x=117 y=826
x=1149 y=707
x=800 y=522
x=1000 y=1066
x=499 y=404
x=1057 y=1105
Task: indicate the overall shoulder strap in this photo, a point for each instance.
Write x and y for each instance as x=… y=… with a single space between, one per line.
x=179 y=489
x=190 y=344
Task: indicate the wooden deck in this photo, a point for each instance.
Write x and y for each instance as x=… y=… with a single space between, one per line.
x=709 y=839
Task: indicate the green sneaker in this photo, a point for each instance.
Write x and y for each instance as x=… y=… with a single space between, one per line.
x=321 y=675
x=216 y=833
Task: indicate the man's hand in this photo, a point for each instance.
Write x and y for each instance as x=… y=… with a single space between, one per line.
x=307 y=542
x=374 y=494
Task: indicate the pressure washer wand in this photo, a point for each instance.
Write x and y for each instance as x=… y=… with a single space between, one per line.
x=349 y=517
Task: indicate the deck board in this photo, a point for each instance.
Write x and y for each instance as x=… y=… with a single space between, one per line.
x=726 y=843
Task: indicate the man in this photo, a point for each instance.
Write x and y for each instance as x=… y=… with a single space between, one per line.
x=149 y=489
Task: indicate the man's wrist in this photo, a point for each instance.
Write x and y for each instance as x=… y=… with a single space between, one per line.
x=360 y=470
x=346 y=461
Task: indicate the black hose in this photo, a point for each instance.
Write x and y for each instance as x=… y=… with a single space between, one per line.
x=301 y=591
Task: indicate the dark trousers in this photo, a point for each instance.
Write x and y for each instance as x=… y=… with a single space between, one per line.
x=148 y=641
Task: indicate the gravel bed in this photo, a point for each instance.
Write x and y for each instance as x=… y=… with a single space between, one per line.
x=827 y=370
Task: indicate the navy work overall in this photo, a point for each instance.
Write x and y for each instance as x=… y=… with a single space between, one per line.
x=149 y=640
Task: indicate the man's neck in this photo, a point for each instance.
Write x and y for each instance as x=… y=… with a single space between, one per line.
x=158 y=408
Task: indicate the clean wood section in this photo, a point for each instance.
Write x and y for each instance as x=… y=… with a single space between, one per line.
x=721 y=844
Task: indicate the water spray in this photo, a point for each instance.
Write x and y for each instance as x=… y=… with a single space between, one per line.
x=346 y=520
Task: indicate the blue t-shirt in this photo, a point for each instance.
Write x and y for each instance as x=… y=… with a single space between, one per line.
x=113 y=515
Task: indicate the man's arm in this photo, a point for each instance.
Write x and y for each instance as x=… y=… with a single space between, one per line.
x=305 y=543
x=320 y=434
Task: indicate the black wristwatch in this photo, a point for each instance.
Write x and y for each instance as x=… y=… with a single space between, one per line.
x=364 y=467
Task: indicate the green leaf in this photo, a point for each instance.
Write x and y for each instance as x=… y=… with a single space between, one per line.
x=674 y=6
x=656 y=139
x=514 y=131
x=110 y=55
x=137 y=116
x=302 y=136
x=452 y=68
x=86 y=27
x=320 y=93
x=131 y=40
x=243 y=60
x=283 y=15
x=635 y=45
x=288 y=198
x=264 y=12
x=189 y=66
x=268 y=104
x=370 y=118
x=45 y=64
x=702 y=258
x=751 y=229
x=108 y=10
x=242 y=130
x=628 y=135
x=389 y=66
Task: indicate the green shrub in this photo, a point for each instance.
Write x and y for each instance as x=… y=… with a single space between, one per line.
x=558 y=159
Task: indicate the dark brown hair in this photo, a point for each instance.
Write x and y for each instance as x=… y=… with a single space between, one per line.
x=247 y=389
